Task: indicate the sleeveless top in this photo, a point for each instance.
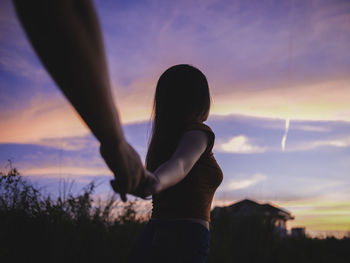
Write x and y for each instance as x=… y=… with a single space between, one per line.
x=191 y=197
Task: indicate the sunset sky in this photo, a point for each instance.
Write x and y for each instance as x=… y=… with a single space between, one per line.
x=279 y=74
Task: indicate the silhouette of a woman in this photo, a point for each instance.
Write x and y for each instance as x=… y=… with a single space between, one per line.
x=180 y=156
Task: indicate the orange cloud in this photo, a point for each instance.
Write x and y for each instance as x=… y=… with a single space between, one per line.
x=47 y=119
x=42 y=118
x=308 y=100
x=327 y=100
x=73 y=172
x=55 y=118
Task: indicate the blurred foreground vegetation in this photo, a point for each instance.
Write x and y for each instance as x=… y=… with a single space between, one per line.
x=72 y=228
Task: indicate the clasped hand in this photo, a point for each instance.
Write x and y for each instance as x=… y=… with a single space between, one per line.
x=130 y=175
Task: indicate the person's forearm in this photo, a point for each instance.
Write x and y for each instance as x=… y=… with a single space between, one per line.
x=66 y=36
x=170 y=173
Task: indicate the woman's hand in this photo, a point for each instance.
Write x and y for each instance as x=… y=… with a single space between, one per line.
x=126 y=165
x=150 y=185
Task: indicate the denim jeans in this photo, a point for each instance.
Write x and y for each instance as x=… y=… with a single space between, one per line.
x=170 y=241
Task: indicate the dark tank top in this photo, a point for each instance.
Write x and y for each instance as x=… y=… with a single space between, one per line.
x=191 y=197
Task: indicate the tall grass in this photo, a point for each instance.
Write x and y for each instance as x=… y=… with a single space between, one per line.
x=35 y=227
x=69 y=228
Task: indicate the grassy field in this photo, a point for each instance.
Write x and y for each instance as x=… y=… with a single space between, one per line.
x=35 y=227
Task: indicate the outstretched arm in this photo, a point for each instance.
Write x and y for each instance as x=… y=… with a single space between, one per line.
x=66 y=36
x=190 y=148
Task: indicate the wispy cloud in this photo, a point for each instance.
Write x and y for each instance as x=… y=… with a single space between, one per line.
x=69 y=143
x=21 y=66
x=239 y=144
x=310 y=127
x=314 y=144
x=237 y=184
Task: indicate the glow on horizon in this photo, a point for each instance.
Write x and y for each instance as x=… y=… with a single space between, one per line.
x=319 y=217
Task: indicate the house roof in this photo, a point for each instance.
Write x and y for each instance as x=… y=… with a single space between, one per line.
x=248 y=207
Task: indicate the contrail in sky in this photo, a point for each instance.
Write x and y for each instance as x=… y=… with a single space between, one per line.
x=284 y=138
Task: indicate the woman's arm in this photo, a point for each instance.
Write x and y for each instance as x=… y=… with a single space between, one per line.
x=67 y=38
x=191 y=146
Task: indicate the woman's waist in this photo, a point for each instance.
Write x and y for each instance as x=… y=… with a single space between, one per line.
x=185 y=219
x=196 y=210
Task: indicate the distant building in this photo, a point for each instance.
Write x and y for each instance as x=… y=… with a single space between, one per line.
x=245 y=208
x=298 y=232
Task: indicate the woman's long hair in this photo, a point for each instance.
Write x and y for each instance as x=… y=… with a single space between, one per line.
x=182 y=96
